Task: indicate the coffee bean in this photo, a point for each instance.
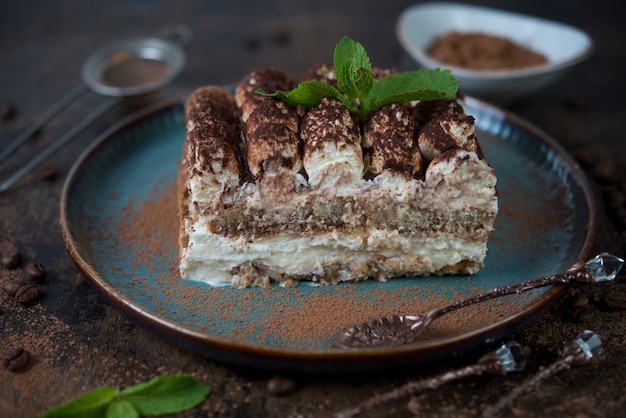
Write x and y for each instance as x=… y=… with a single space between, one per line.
x=7 y=111
x=280 y=37
x=616 y=300
x=27 y=294
x=16 y=359
x=621 y=216
x=585 y=158
x=35 y=272
x=596 y=294
x=11 y=288
x=576 y=104
x=582 y=314
x=579 y=300
x=251 y=44
x=607 y=172
x=11 y=259
x=47 y=172
x=280 y=386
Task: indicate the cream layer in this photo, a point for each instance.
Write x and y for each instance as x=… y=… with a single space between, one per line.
x=216 y=259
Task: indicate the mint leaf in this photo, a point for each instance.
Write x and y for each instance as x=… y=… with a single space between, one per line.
x=357 y=89
x=411 y=85
x=166 y=395
x=159 y=396
x=309 y=93
x=121 y=408
x=92 y=404
x=353 y=68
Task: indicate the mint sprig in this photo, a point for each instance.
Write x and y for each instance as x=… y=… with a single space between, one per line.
x=358 y=90
x=159 y=396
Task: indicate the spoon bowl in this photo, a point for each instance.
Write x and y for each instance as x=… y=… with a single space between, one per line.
x=397 y=330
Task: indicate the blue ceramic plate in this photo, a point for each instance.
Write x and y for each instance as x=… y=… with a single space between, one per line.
x=119 y=222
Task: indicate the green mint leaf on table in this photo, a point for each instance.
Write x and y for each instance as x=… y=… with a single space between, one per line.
x=92 y=404
x=159 y=396
x=358 y=90
x=166 y=395
x=120 y=408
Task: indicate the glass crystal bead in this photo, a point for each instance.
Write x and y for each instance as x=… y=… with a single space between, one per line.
x=590 y=343
x=513 y=356
x=604 y=267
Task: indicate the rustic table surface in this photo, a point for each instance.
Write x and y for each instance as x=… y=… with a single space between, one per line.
x=78 y=341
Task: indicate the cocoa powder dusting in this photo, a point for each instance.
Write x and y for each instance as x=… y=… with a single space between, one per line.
x=480 y=51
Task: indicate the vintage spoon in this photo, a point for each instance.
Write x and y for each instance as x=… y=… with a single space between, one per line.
x=397 y=330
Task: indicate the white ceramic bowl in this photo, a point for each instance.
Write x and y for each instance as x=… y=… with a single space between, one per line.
x=564 y=46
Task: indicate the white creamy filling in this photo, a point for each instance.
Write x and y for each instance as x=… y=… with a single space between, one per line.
x=464 y=182
x=211 y=258
x=210 y=191
x=334 y=164
x=461 y=183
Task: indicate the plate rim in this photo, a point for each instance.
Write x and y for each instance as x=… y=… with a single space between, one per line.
x=315 y=360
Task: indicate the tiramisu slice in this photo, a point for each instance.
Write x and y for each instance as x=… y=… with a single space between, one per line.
x=273 y=192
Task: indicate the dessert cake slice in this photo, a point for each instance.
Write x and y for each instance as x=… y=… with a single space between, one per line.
x=272 y=192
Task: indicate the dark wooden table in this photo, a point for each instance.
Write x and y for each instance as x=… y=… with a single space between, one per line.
x=78 y=341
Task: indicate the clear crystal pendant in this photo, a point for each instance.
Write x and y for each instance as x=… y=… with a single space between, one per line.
x=513 y=356
x=580 y=351
x=604 y=267
x=590 y=343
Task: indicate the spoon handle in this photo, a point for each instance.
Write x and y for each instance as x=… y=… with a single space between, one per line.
x=61 y=104
x=577 y=272
x=58 y=143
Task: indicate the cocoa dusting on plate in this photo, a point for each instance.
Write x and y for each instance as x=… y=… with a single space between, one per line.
x=480 y=51
x=303 y=317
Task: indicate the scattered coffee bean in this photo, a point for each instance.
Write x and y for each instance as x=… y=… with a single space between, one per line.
x=585 y=158
x=252 y=44
x=607 y=171
x=7 y=111
x=579 y=300
x=615 y=194
x=11 y=259
x=27 y=294
x=35 y=272
x=280 y=37
x=280 y=386
x=577 y=307
x=47 y=172
x=16 y=359
x=11 y=288
x=596 y=294
x=576 y=104
x=621 y=216
x=582 y=314
x=616 y=300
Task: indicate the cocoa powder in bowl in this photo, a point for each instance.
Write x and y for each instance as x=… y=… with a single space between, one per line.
x=483 y=52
